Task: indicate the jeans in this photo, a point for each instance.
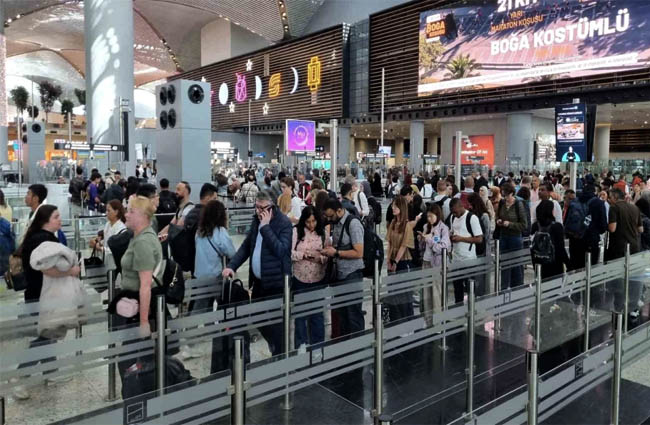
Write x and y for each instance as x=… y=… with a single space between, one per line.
x=309 y=329
x=273 y=334
x=400 y=305
x=514 y=276
x=351 y=318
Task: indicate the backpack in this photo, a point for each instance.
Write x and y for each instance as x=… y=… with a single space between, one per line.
x=373 y=248
x=140 y=378
x=172 y=285
x=577 y=220
x=183 y=245
x=441 y=204
x=542 y=249
x=7 y=244
x=480 y=248
x=376 y=208
x=369 y=220
x=390 y=190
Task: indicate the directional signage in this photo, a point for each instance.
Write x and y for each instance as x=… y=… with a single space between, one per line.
x=81 y=146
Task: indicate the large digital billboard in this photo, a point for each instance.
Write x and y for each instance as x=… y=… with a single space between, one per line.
x=571 y=132
x=494 y=43
x=300 y=136
x=477 y=150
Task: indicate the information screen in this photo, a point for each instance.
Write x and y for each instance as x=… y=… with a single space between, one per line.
x=300 y=136
x=478 y=150
x=571 y=132
x=488 y=44
x=385 y=150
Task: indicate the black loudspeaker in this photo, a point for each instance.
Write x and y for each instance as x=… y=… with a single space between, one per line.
x=163 y=119
x=163 y=96
x=24 y=138
x=171 y=94
x=196 y=94
x=24 y=128
x=36 y=127
x=171 y=118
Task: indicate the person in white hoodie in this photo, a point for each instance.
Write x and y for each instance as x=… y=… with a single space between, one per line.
x=358 y=197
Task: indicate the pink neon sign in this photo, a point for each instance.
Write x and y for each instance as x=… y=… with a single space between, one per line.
x=240 y=88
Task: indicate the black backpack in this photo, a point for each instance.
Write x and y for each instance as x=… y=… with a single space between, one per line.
x=542 y=249
x=373 y=248
x=376 y=207
x=182 y=245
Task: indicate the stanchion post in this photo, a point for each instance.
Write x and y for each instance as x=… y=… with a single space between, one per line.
x=626 y=310
x=2 y=410
x=78 y=334
x=538 y=306
x=533 y=381
x=237 y=389
x=616 y=380
x=286 y=305
x=77 y=235
x=443 y=292
x=497 y=277
x=587 y=308
x=470 y=349
x=379 y=365
x=385 y=419
x=376 y=284
x=111 y=366
x=161 y=326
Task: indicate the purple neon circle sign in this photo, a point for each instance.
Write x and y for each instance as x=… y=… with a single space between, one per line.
x=300 y=135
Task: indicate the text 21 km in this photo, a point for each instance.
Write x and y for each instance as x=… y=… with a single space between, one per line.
x=508 y=5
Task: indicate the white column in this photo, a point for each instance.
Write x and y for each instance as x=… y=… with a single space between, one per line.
x=399 y=151
x=601 y=142
x=417 y=146
x=109 y=71
x=4 y=137
x=520 y=139
x=343 y=148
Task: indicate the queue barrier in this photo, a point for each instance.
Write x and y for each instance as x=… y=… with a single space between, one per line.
x=268 y=379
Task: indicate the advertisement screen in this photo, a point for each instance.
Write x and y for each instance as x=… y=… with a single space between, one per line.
x=570 y=129
x=384 y=149
x=300 y=135
x=496 y=43
x=479 y=150
x=319 y=164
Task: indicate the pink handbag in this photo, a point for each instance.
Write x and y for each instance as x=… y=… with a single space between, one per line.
x=127 y=307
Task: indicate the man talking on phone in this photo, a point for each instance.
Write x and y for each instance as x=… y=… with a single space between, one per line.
x=268 y=245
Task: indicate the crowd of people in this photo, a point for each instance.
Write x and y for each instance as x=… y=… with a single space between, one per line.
x=320 y=237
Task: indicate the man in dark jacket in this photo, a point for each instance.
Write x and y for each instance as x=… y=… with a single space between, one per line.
x=114 y=191
x=578 y=247
x=270 y=239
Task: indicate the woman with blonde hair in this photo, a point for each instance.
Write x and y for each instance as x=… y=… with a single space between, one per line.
x=398 y=256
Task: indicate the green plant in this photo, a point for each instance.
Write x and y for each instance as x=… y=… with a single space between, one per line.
x=81 y=96
x=429 y=52
x=461 y=66
x=20 y=97
x=50 y=93
x=66 y=106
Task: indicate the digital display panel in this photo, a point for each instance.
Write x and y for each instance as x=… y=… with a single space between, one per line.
x=300 y=136
x=477 y=150
x=385 y=150
x=571 y=132
x=496 y=43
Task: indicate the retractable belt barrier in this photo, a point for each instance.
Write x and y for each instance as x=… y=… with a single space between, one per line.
x=271 y=378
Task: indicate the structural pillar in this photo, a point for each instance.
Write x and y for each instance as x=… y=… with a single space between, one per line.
x=520 y=140
x=601 y=142
x=109 y=73
x=417 y=146
x=432 y=144
x=4 y=136
x=399 y=151
x=343 y=148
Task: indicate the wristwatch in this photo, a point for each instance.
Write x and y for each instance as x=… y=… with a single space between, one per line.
x=336 y=254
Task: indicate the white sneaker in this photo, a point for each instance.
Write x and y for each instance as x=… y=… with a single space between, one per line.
x=58 y=380
x=20 y=391
x=188 y=352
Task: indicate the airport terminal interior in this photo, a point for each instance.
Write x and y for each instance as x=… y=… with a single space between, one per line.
x=324 y=212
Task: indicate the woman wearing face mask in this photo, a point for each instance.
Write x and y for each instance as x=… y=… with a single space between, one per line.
x=433 y=239
x=400 y=238
x=248 y=192
x=308 y=271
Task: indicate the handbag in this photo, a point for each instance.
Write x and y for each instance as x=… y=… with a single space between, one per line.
x=15 y=276
x=127 y=307
x=172 y=285
x=94 y=261
x=234 y=292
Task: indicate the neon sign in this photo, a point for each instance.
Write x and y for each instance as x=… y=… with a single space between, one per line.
x=274 y=85
x=313 y=74
x=240 y=88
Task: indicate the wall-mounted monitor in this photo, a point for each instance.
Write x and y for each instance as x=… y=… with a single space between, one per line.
x=300 y=136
